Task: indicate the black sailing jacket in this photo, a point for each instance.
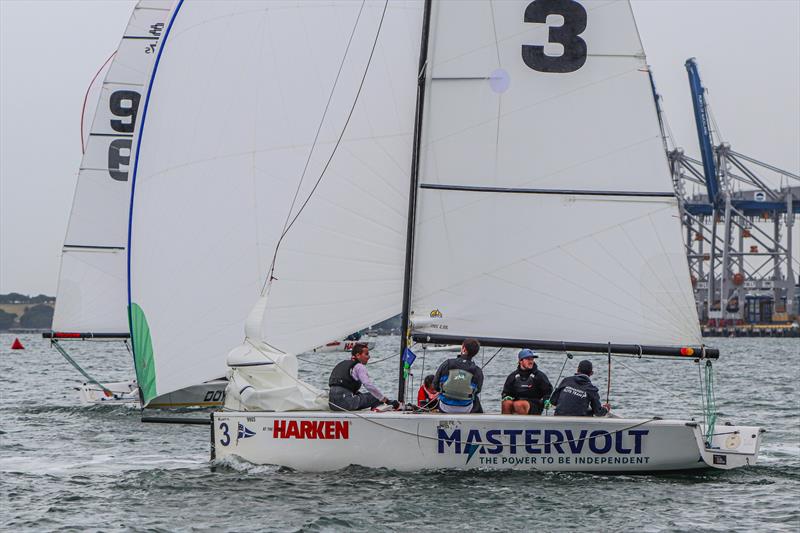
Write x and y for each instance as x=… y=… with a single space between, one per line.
x=576 y=396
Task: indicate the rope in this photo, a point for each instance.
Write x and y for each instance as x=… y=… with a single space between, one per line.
x=490 y=359
x=608 y=378
x=558 y=380
x=71 y=361
x=711 y=405
x=270 y=277
x=86 y=97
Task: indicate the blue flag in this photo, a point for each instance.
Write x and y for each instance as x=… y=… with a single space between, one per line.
x=408 y=359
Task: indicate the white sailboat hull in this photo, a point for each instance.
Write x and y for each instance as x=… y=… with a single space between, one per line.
x=323 y=441
x=210 y=394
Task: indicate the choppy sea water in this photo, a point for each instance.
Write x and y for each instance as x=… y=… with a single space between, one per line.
x=64 y=466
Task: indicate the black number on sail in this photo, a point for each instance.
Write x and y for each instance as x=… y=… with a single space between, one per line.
x=116 y=159
x=124 y=104
x=567 y=35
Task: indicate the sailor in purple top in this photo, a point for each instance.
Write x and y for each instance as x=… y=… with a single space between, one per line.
x=346 y=380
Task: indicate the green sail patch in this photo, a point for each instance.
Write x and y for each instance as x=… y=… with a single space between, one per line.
x=143 y=353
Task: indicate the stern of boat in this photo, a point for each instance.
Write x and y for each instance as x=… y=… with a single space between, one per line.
x=730 y=447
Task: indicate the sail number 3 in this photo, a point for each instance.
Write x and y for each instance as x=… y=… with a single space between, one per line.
x=567 y=35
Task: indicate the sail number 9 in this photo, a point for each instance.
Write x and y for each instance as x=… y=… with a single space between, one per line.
x=567 y=35
x=123 y=104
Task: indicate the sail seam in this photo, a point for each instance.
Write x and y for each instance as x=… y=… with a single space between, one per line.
x=520 y=190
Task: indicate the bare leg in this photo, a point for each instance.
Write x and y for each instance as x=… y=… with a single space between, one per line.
x=521 y=407
x=507 y=407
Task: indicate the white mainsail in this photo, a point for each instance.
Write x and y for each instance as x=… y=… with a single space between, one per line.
x=92 y=285
x=545 y=206
x=259 y=113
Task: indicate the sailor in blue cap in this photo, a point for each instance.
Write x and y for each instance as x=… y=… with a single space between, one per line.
x=526 y=388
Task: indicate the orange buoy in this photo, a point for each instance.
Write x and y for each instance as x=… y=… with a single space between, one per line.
x=17 y=345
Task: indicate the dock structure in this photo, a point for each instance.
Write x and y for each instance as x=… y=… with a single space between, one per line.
x=739 y=221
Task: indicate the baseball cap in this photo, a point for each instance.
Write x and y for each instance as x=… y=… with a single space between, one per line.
x=526 y=353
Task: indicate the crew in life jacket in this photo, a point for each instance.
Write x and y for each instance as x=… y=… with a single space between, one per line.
x=460 y=381
x=526 y=388
x=427 y=397
x=346 y=380
x=577 y=396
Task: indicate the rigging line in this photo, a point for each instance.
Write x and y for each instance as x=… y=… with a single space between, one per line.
x=678 y=279
x=661 y=388
x=270 y=277
x=322 y=119
x=77 y=367
x=86 y=96
x=429 y=437
x=685 y=319
x=490 y=359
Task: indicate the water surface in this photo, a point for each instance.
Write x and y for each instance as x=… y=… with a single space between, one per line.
x=64 y=466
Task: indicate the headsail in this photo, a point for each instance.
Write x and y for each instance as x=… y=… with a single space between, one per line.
x=92 y=288
x=294 y=127
x=545 y=208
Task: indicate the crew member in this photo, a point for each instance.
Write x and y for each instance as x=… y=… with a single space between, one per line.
x=460 y=380
x=427 y=397
x=526 y=388
x=576 y=396
x=346 y=380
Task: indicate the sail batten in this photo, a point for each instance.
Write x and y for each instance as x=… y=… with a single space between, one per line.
x=567 y=192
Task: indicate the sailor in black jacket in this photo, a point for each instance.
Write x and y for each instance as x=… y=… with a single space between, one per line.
x=526 y=388
x=576 y=396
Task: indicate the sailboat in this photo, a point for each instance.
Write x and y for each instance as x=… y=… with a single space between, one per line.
x=91 y=299
x=539 y=214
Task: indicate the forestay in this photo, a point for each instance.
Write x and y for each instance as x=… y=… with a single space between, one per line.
x=92 y=288
x=264 y=118
x=545 y=207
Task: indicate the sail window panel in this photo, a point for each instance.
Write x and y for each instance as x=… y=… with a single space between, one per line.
x=570 y=133
x=98 y=210
x=92 y=292
x=462 y=42
x=618 y=279
x=460 y=139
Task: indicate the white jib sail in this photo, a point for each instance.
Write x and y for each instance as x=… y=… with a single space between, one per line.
x=258 y=120
x=551 y=98
x=92 y=285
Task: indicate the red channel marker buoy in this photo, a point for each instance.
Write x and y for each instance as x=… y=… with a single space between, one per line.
x=17 y=345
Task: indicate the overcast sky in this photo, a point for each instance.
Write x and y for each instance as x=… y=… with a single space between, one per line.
x=748 y=52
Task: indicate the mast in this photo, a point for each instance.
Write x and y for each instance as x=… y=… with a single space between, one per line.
x=412 y=196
